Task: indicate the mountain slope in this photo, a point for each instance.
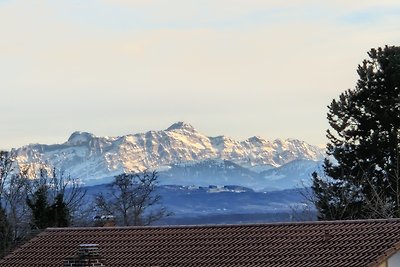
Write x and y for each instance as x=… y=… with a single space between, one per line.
x=294 y=174
x=90 y=157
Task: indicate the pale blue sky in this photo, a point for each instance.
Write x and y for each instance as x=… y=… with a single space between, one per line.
x=233 y=67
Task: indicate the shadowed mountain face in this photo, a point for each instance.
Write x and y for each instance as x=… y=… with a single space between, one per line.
x=94 y=158
x=219 y=173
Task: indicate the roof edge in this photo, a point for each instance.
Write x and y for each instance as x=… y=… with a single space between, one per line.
x=386 y=255
x=229 y=225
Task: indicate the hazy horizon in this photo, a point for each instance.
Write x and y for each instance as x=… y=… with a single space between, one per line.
x=236 y=68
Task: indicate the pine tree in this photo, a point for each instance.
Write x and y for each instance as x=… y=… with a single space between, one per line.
x=364 y=144
x=5 y=233
x=59 y=213
x=40 y=208
x=45 y=215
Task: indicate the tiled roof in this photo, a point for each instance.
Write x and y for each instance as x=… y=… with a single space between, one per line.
x=314 y=244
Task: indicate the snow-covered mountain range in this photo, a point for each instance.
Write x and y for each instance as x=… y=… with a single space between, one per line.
x=90 y=157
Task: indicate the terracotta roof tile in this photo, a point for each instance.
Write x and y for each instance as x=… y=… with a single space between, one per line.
x=314 y=244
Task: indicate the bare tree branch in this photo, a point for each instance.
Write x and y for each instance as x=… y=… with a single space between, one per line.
x=133 y=198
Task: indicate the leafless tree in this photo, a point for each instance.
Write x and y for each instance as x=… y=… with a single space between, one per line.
x=17 y=210
x=58 y=184
x=133 y=198
x=13 y=194
x=382 y=201
x=6 y=170
x=305 y=210
x=18 y=182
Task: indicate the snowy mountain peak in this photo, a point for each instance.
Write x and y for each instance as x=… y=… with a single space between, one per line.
x=90 y=157
x=181 y=126
x=78 y=137
x=257 y=140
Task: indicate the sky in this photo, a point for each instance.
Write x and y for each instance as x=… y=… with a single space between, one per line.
x=238 y=68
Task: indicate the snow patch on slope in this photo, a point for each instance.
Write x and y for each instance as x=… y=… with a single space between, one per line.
x=87 y=156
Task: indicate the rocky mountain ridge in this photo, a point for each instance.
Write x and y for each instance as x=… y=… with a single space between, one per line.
x=87 y=156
